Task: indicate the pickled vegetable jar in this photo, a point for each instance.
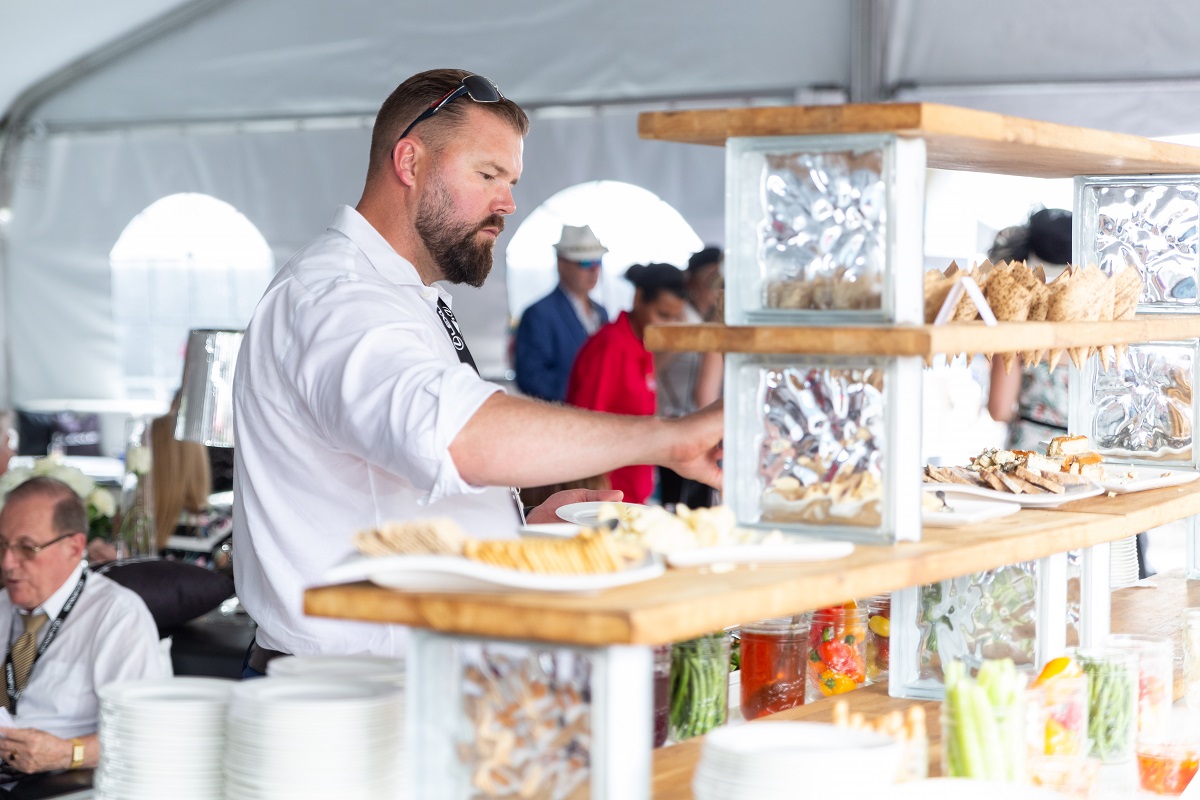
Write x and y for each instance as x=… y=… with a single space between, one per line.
x=662 y=693
x=1155 y=677
x=699 y=685
x=879 y=633
x=1112 y=701
x=773 y=656
x=837 y=651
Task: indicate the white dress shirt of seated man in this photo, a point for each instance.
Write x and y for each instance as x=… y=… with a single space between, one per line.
x=43 y=536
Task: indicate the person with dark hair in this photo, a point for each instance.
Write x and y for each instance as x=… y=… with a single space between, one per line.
x=687 y=381
x=614 y=371
x=553 y=329
x=356 y=399
x=69 y=633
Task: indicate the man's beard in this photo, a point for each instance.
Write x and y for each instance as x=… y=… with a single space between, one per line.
x=455 y=246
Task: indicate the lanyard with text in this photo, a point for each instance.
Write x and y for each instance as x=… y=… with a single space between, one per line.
x=464 y=355
x=10 y=680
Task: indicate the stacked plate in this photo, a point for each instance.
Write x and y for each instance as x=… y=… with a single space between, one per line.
x=163 y=738
x=1123 y=563
x=314 y=738
x=765 y=760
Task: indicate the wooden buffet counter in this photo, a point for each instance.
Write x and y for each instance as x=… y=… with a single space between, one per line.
x=1153 y=607
x=686 y=603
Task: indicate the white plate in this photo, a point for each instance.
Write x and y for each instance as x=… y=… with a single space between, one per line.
x=1123 y=479
x=815 y=550
x=550 y=530
x=455 y=574
x=1047 y=500
x=967 y=511
x=584 y=513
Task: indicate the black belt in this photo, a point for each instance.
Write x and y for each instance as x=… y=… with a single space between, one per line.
x=260 y=656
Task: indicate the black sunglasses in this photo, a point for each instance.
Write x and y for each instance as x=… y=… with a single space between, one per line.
x=476 y=87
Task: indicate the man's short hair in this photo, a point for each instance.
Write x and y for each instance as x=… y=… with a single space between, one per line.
x=70 y=513
x=418 y=93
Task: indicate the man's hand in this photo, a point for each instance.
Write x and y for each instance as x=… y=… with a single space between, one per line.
x=546 y=511
x=31 y=750
x=696 y=445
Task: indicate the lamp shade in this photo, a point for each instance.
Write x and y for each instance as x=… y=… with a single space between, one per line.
x=206 y=401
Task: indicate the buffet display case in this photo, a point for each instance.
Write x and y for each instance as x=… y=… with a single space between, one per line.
x=614 y=631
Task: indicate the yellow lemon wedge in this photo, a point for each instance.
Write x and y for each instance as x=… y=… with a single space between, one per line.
x=1063 y=666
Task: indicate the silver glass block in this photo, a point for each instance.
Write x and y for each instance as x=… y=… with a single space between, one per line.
x=824 y=230
x=1148 y=222
x=825 y=445
x=1142 y=412
x=991 y=614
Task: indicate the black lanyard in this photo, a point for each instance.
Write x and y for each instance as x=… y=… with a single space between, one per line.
x=455 y=334
x=10 y=679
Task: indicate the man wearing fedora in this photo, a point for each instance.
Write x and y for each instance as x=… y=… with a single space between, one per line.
x=554 y=328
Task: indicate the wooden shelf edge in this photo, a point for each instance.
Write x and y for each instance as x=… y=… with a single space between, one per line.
x=925 y=341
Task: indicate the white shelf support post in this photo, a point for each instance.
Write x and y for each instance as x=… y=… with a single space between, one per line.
x=1095 y=596
x=1051 y=608
x=622 y=722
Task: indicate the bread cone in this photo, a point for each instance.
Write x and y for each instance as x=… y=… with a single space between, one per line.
x=1008 y=295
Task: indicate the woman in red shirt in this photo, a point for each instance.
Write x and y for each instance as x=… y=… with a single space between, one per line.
x=614 y=371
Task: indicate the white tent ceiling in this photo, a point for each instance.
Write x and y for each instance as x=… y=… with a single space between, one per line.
x=266 y=104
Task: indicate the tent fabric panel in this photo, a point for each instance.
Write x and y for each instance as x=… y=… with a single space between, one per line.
x=272 y=58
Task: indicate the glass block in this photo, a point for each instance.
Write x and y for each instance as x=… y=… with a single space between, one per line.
x=816 y=445
x=985 y=615
x=1150 y=223
x=493 y=719
x=1142 y=412
x=816 y=229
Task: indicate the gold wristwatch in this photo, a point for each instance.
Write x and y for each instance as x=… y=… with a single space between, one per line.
x=77 y=753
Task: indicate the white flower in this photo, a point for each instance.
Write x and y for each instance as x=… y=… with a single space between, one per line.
x=81 y=484
x=102 y=500
x=137 y=460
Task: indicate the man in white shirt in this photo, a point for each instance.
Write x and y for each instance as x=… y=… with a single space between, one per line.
x=356 y=401
x=68 y=633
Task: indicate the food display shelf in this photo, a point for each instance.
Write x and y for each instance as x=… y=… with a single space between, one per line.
x=689 y=602
x=955 y=138
x=925 y=341
x=1150 y=608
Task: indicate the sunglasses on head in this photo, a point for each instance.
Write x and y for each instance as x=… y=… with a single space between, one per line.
x=476 y=87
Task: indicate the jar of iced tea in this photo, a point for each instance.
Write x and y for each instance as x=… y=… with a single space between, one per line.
x=773 y=657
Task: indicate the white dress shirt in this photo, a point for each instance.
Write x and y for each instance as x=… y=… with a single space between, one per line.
x=109 y=636
x=346 y=397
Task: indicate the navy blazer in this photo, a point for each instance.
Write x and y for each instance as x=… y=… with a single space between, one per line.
x=548 y=339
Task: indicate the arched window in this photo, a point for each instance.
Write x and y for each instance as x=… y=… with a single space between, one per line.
x=633 y=223
x=186 y=261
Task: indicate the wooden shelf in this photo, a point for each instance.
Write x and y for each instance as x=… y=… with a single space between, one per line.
x=1155 y=611
x=956 y=138
x=919 y=340
x=686 y=603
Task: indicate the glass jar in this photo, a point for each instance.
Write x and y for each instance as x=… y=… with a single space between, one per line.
x=699 y=685
x=1191 y=658
x=837 y=651
x=1112 y=701
x=1000 y=742
x=662 y=692
x=136 y=533
x=773 y=656
x=1058 y=717
x=879 y=632
x=1155 y=678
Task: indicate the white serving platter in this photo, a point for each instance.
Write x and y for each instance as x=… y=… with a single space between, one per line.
x=457 y=574
x=1122 y=479
x=792 y=551
x=967 y=511
x=1047 y=500
x=586 y=513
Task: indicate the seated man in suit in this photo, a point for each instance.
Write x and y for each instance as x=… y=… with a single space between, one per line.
x=554 y=328
x=68 y=633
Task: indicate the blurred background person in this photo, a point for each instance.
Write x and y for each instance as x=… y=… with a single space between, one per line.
x=614 y=371
x=181 y=476
x=553 y=329
x=688 y=381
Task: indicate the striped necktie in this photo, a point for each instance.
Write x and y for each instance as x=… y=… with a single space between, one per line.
x=24 y=650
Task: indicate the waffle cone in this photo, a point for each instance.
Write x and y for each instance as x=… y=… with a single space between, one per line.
x=1008 y=296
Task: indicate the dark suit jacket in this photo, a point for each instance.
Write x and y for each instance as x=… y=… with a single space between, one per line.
x=548 y=338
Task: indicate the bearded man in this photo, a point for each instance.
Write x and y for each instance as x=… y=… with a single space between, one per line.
x=356 y=401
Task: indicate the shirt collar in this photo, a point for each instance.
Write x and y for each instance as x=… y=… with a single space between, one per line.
x=390 y=265
x=54 y=604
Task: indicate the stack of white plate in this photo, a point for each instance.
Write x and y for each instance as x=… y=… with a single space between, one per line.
x=769 y=760
x=300 y=738
x=1123 y=563
x=163 y=738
